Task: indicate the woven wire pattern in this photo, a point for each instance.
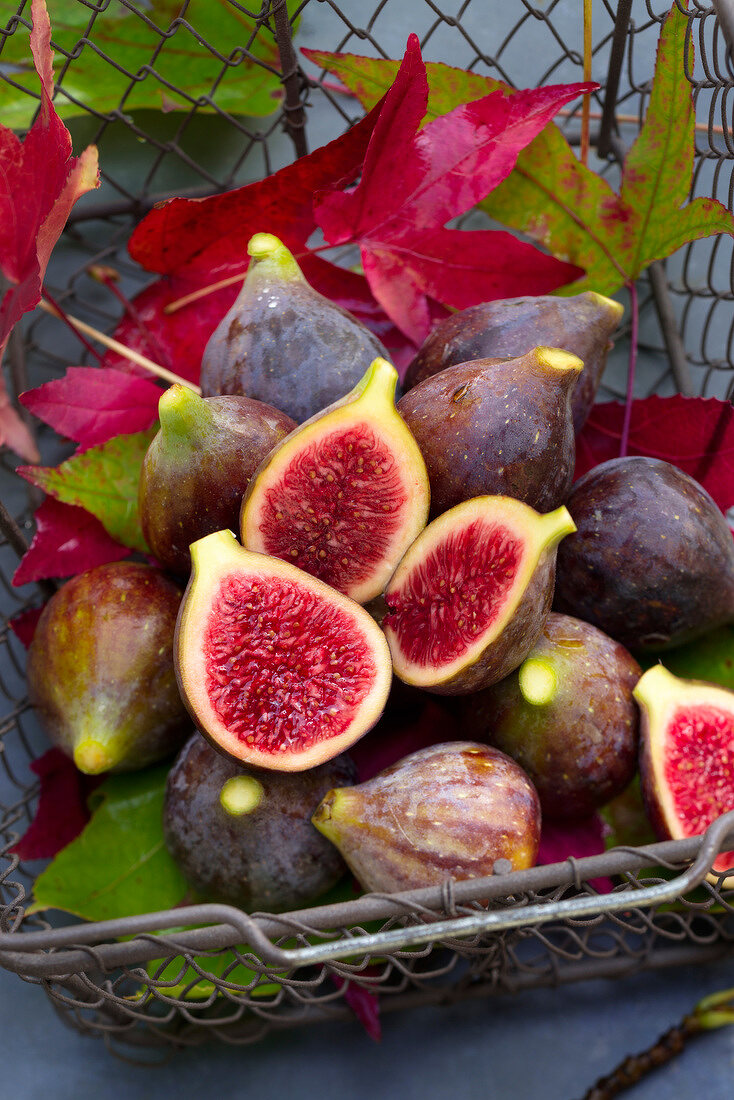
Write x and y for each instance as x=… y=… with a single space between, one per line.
x=197 y=146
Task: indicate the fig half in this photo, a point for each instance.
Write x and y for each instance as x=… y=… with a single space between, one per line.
x=686 y=755
x=277 y=669
x=344 y=495
x=469 y=599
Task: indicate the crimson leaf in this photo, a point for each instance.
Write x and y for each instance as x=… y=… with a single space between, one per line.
x=68 y=540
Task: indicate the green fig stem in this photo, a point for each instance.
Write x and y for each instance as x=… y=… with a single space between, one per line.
x=538 y=681
x=380 y=377
x=241 y=795
x=555 y=525
x=272 y=260
x=93 y=756
x=183 y=414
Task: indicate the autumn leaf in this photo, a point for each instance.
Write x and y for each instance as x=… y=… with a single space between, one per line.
x=24 y=625
x=39 y=184
x=104 y=481
x=91 y=405
x=414 y=180
x=68 y=541
x=694 y=433
x=62 y=811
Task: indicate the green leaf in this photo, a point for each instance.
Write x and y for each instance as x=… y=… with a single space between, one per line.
x=119 y=865
x=709 y=658
x=140 y=77
x=104 y=481
x=558 y=202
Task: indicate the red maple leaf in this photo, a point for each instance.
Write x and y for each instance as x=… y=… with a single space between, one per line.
x=39 y=183
x=694 y=433
x=91 y=405
x=68 y=540
x=414 y=180
x=62 y=810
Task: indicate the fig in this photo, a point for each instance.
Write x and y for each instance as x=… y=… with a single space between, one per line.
x=497 y=427
x=652 y=560
x=100 y=668
x=277 y=669
x=244 y=837
x=198 y=467
x=345 y=494
x=448 y=811
x=469 y=599
x=284 y=343
x=567 y=716
x=686 y=755
x=582 y=324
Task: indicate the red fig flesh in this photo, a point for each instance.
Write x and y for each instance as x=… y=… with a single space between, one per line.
x=278 y=670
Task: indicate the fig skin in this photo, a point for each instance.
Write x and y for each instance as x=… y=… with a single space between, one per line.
x=579 y=747
x=581 y=324
x=282 y=342
x=100 y=668
x=271 y=858
x=497 y=427
x=448 y=811
x=652 y=560
x=199 y=466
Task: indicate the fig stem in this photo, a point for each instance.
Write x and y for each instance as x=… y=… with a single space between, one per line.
x=114 y=345
x=624 y=441
x=241 y=795
x=538 y=681
x=716 y=1010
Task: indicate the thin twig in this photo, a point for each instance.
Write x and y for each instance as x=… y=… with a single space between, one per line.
x=634 y=319
x=121 y=349
x=60 y=312
x=108 y=277
x=586 y=105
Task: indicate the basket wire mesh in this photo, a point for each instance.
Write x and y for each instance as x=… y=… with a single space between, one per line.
x=228 y=974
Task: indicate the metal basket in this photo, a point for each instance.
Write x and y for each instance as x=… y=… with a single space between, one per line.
x=236 y=976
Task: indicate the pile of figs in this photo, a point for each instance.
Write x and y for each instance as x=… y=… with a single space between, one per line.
x=350 y=562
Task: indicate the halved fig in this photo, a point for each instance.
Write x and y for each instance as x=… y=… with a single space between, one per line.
x=345 y=494
x=686 y=755
x=277 y=669
x=469 y=599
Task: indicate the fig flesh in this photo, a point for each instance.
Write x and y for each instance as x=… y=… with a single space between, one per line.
x=100 y=668
x=469 y=599
x=567 y=716
x=498 y=427
x=581 y=324
x=198 y=467
x=652 y=560
x=245 y=838
x=686 y=756
x=277 y=669
x=345 y=494
x=448 y=811
x=282 y=342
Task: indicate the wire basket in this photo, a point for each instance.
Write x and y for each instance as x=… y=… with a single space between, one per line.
x=143 y=980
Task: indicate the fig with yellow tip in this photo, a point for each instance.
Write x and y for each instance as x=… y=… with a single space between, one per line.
x=345 y=494
x=100 y=668
x=278 y=670
x=284 y=343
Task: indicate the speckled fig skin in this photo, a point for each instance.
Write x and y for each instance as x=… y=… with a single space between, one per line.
x=581 y=324
x=100 y=668
x=448 y=811
x=497 y=427
x=652 y=560
x=198 y=467
x=284 y=343
x=271 y=858
x=580 y=748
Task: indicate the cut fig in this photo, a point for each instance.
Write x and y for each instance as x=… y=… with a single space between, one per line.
x=652 y=559
x=277 y=669
x=686 y=755
x=344 y=495
x=497 y=426
x=469 y=599
x=284 y=343
x=198 y=467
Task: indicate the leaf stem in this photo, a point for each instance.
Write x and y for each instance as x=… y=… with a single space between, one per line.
x=108 y=277
x=80 y=327
x=61 y=313
x=202 y=292
x=634 y=309
x=586 y=103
